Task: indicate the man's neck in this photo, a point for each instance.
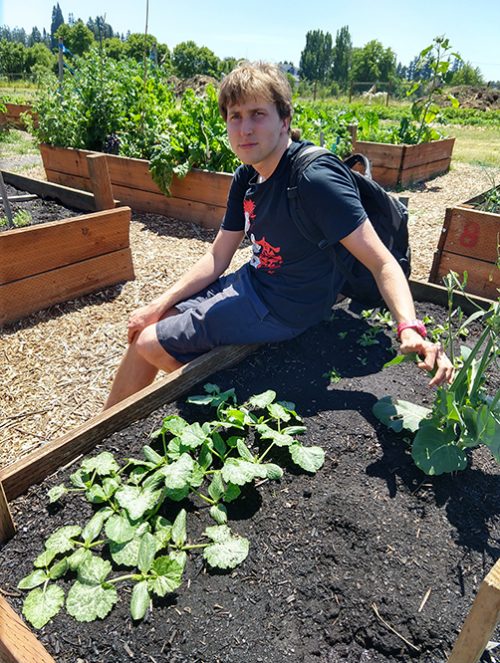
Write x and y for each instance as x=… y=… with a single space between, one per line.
x=265 y=170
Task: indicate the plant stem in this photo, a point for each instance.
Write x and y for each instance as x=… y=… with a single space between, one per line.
x=204 y=497
x=261 y=458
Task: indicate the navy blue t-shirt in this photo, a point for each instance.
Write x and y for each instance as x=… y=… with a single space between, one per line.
x=295 y=279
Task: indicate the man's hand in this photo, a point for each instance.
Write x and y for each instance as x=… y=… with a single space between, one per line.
x=141 y=318
x=432 y=355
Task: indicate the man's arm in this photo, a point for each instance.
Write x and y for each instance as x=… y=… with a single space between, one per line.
x=205 y=271
x=368 y=248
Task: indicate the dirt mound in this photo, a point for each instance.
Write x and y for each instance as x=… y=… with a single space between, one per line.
x=197 y=83
x=479 y=97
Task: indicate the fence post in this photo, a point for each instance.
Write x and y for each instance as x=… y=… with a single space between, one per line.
x=100 y=181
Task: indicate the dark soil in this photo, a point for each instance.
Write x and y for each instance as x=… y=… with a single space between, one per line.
x=40 y=210
x=368 y=535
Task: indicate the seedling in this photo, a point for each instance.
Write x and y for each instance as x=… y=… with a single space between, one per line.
x=333 y=375
x=207 y=462
x=20 y=219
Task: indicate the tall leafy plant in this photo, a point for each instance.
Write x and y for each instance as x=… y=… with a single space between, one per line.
x=464 y=414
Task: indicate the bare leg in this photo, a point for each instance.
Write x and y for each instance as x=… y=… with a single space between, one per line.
x=140 y=364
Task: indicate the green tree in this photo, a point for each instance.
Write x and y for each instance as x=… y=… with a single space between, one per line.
x=12 y=57
x=373 y=63
x=35 y=37
x=316 y=58
x=114 y=47
x=466 y=74
x=188 y=60
x=57 y=21
x=138 y=45
x=99 y=28
x=342 y=56
x=40 y=60
x=77 y=38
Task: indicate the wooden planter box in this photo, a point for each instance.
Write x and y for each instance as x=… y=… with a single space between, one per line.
x=18 y=644
x=12 y=118
x=469 y=243
x=199 y=197
x=52 y=262
x=402 y=165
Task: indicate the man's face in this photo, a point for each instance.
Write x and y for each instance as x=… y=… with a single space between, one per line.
x=257 y=134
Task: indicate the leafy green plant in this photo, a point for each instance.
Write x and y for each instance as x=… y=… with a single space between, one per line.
x=210 y=462
x=464 y=415
x=20 y=219
x=333 y=375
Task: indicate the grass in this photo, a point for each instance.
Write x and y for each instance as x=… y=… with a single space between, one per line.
x=17 y=92
x=476 y=145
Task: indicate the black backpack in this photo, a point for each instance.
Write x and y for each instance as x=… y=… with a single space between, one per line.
x=387 y=214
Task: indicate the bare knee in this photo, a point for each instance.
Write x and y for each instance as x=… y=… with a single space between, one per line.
x=149 y=348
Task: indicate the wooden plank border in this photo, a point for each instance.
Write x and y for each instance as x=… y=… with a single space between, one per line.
x=63 y=194
x=18 y=644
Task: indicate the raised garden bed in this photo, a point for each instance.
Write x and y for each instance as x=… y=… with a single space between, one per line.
x=12 y=118
x=199 y=197
x=368 y=560
x=399 y=166
x=469 y=243
x=54 y=261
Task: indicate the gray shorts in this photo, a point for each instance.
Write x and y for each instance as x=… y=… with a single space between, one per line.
x=227 y=312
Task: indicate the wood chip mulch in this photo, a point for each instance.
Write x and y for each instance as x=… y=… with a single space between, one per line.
x=57 y=365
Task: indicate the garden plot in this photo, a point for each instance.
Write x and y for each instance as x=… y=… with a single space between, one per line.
x=366 y=560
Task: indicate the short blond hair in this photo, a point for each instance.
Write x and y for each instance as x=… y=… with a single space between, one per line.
x=256 y=80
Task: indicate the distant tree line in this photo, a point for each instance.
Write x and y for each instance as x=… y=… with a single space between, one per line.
x=326 y=66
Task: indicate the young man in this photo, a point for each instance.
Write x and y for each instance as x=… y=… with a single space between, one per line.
x=289 y=284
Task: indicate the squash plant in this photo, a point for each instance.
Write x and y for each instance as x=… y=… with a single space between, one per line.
x=464 y=414
x=129 y=540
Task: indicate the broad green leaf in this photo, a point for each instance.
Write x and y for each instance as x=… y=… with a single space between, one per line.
x=177 y=494
x=88 y=602
x=309 y=459
x=162 y=533
x=56 y=493
x=147 y=551
x=273 y=471
x=154 y=481
x=94 y=570
x=168 y=574
x=152 y=456
x=110 y=485
x=136 y=501
x=138 y=473
x=244 y=451
x=294 y=430
x=290 y=408
x=197 y=476
x=40 y=606
x=174 y=424
x=96 y=494
x=435 y=451
x=401 y=414
x=262 y=400
x=235 y=417
x=227 y=550
x=277 y=411
x=240 y=472
x=126 y=554
x=78 y=557
x=231 y=493
x=179 y=556
x=119 y=528
x=58 y=569
x=219 y=513
x=193 y=436
x=219 y=445
x=34 y=579
x=178 y=474
x=140 y=601
x=60 y=541
x=45 y=558
x=179 y=531
x=102 y=464
x=79 y=479
x=216 y=487
x=205 y=458
x=279 y=439
x=93 y=528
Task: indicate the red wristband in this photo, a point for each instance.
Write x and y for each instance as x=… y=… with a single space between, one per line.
x=417 y=325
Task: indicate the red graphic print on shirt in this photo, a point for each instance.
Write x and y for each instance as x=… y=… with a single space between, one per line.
x=265 y=256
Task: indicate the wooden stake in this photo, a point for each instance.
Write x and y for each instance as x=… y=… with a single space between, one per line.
x=17 y=643
x=480 y=622
x=101 y=183
x=7 y=527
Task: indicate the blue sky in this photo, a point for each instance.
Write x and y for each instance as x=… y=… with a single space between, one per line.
x=275 y=30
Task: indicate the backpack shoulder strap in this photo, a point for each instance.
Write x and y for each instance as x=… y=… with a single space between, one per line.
x=299 y=163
